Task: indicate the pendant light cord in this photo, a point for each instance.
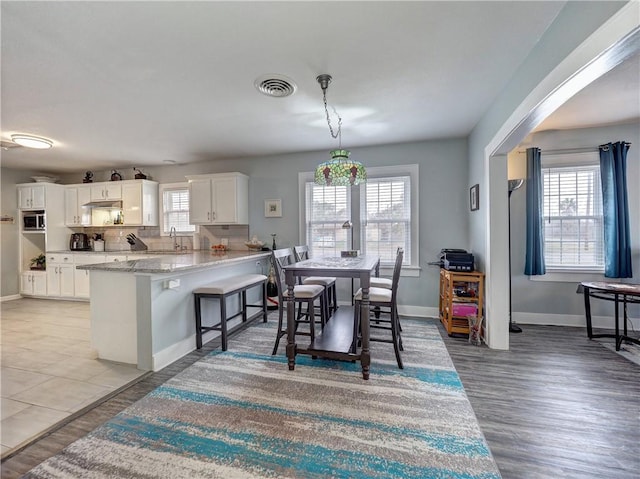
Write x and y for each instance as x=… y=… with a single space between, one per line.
x=324 y=84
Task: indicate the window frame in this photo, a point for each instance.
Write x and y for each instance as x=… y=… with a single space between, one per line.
x=570 y=272
x=162 y=188
x=412 y=170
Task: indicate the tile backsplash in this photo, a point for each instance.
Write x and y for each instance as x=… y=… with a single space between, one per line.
x=116 y=238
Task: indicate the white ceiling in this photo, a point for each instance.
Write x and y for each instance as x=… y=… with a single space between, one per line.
x=117 y=84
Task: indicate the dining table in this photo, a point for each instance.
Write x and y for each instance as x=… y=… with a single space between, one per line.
x=339 y=333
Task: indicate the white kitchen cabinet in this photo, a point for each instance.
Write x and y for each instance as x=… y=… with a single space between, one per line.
x=81 y=277
x=106 y=190
x=60 y=271
x=75 y=213
x=219 y=199
x=140 y=203
x=31 y=197
x=33 y=283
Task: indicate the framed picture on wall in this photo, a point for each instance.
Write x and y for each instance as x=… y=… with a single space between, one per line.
x=474 y=197
x=273 y=208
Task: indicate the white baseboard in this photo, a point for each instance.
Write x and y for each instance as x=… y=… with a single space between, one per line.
x=174 y=352
x=10 y=298
x=574 y=320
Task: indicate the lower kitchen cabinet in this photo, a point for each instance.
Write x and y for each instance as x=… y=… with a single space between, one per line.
x=60 y=280
x=33 y=283
x=81 y=278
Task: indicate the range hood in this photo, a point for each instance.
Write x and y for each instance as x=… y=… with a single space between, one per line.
x=105 y=204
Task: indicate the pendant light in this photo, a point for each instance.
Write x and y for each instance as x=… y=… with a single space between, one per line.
x=339 y=170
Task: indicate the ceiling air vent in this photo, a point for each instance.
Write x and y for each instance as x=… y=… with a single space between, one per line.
x=275 y=85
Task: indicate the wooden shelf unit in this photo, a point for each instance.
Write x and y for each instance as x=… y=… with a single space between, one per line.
x=451 y=283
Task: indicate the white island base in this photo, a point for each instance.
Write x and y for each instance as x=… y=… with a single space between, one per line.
x=142 y=312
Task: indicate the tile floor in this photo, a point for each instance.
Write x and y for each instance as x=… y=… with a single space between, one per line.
x=48 y=370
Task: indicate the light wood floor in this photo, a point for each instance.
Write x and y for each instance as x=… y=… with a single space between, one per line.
x=556 y=406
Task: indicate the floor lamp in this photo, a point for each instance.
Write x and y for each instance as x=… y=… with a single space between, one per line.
x=513 y=185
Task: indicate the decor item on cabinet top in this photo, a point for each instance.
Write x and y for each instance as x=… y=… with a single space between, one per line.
x=39 y=262
x=254 y=244
x=115 y=176
x=339 y=170
x=45 y=179
x=139 y=174
x=88 y=177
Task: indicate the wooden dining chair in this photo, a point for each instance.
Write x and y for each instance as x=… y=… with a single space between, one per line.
x=329 y=282
x=387 y=299
x=302 y=294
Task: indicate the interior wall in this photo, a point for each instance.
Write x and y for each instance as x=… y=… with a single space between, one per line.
x=9 y=260
x=442 y=193
x=556 y=302
x=539 y=75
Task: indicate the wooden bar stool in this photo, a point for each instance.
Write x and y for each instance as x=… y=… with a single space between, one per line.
x=302 y=294
x=223 y=289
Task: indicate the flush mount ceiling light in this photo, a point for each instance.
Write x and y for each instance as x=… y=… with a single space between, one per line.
x=30 y=141
x=339 y=170
x=275 y=85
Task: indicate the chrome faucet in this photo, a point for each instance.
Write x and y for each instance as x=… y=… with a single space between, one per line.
x=173 y=234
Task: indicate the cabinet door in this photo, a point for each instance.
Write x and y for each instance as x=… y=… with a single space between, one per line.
x=132 y=204
x=38 y=197
x=53 y=279
x=71 y=207
x=26 y=284
x=149 y=204
x=97 y=192
x=24 y=197
x=84 y=212
x=81 y=283
x=200 y=202
x=66 y=280
x=113 y=190
x=224 y=201
x=39 y=282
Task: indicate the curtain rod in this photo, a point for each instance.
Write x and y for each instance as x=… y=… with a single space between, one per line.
x=571 y=150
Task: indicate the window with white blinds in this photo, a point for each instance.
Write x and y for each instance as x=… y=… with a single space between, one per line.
x=383 y=212
x=327 y=209
x=573 y=222
x=175 y=209
x=386 y=217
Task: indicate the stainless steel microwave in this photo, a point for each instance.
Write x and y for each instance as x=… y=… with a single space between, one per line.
x=33 y=221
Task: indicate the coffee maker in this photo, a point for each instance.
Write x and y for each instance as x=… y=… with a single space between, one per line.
x=79 y=242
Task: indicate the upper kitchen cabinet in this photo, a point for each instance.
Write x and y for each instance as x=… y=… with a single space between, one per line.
x=107 y=190
x=75 y=211
x=219 y=199
x=34 y=196
x=140 y=203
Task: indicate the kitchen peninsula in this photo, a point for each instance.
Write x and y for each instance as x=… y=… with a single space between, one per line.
x=142 y=311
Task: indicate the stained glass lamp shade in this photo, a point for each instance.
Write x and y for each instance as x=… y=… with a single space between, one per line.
x=340 y=171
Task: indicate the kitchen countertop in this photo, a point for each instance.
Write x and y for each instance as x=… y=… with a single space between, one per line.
x=177 y=262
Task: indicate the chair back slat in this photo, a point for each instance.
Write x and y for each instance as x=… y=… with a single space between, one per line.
x=395 y=280
x=281 y=258
x=301 y=252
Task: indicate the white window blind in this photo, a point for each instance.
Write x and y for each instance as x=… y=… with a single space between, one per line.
x=175 y=210
x=573 y=223
x=386 y=217
x=327 y=208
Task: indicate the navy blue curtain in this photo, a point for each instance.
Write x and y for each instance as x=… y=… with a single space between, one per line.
x=617 y=240
x=534 y=264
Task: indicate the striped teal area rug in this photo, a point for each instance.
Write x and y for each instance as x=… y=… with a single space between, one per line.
x=243 y=414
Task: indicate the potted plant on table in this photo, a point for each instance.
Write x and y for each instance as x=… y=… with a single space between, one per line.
x=39 y=262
